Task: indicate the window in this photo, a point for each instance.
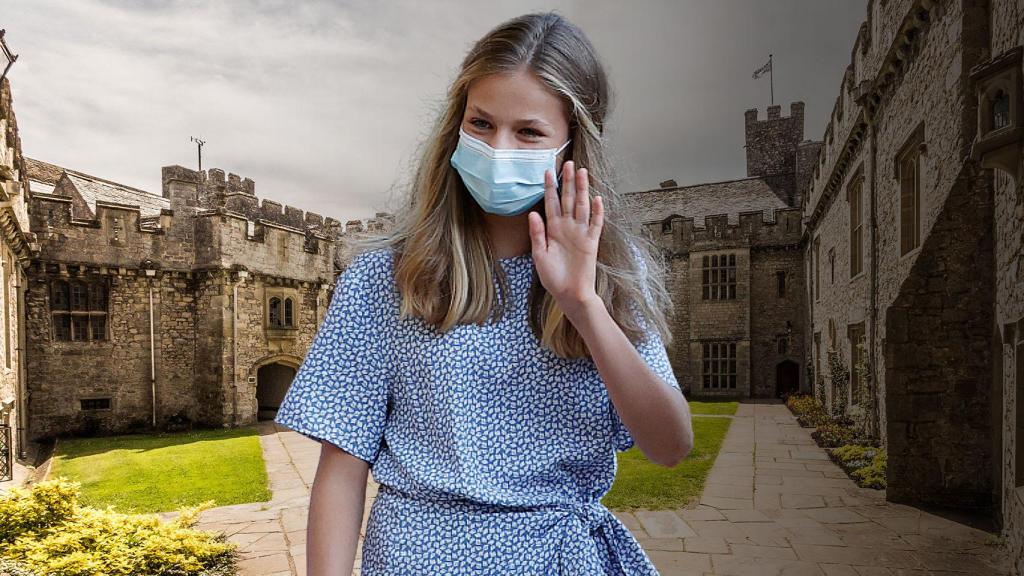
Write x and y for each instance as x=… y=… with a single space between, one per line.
x=666 y=226
x=719 y=276
x=1000 y=110
x=281 y=313
x=832 y=265
x=79 y=310
x=95 y=403
x=719 y=365
x=780 y=279
x=908 y=172
x=856 y=228
x=817 y=268
x=783 y=344
x=856 y=333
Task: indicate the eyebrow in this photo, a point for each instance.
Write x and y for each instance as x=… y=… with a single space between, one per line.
x=528 y=121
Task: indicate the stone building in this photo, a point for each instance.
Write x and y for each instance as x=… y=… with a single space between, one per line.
x=735 y=266
x=914 y=225
x=145 y=309
x=14 y=259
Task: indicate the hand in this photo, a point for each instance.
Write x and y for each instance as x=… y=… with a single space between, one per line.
x=565 y=249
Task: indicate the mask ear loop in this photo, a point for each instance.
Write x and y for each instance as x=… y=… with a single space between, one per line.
x=558 y=177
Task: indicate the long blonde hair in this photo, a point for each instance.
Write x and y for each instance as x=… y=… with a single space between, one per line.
x=444 y=264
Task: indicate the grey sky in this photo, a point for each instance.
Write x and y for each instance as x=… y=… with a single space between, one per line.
x=324 y=104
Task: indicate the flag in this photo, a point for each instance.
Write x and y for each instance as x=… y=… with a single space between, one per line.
x=766 y=68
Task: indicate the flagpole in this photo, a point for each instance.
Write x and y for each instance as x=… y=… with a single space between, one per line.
x=771 y=78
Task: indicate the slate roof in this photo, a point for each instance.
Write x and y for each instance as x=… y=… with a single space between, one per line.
x=93 y=188
x=697 y=201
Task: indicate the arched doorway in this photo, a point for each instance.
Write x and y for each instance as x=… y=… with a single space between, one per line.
x=272 y=382
x=787 y=378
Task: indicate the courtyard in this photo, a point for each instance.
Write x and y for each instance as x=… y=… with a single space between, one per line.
x=773 y=503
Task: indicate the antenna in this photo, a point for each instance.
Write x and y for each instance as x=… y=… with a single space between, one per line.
x=199 y=146
x=11 y=57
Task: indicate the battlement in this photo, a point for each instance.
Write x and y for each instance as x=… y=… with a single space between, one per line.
x=380 y=222
x=753 y=228
x=771 y=143
x=796 y=111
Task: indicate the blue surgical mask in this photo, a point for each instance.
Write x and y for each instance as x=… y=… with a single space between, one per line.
x=503 y=181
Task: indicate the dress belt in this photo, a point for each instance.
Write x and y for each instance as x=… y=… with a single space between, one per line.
x=592 y=521
x=582 y=522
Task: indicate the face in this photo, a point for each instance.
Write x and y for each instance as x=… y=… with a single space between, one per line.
x=516 y=110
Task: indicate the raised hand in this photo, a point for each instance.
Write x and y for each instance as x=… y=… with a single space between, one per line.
x=565 y=247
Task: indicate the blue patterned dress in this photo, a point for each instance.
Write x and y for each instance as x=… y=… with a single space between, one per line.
x=492 y=453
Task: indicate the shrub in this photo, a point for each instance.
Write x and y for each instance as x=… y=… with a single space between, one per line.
x=832 y=434
x=46 y=532
x=802 y=403
x=809 y=412
x=872 y=475
x=865 y=464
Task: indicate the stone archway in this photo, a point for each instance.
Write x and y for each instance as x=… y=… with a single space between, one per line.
x=787 y=378
x=273 y=377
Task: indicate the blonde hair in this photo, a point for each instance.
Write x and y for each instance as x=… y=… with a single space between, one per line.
x=444 y=264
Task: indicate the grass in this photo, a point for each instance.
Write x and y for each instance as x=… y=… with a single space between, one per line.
x=640 y=483
x=712 y=407
x=144 y=473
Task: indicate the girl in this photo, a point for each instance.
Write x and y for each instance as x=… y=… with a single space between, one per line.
x=489 y=354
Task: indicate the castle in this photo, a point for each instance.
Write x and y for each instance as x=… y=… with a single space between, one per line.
x=880 y=268
x=735 y=265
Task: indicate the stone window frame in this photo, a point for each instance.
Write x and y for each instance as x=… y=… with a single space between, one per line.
x=909 y=155
x=817 y=358
x=718 y=364
x=717 y=278
x=281 y=312
x=96 y=308
x=288 y=298
x=855 y=201
x=780 y=283
x=855 y=334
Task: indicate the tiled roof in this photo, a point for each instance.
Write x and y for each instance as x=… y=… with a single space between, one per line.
x=42 y=171
x=92 y=188
x=730 y=197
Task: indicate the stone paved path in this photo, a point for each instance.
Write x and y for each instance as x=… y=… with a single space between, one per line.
x=773 y=504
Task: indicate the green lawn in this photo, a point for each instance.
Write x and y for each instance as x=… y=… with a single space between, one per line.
x=712 y=407
x=163 y=472
x=640 y=483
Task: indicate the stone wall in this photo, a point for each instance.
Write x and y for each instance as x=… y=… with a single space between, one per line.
x=772 y=143
x=14 y=255
x=938 y=390
x=215 y=236
x=762 y=247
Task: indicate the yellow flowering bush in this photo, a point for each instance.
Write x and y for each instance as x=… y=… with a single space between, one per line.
x=43 y=531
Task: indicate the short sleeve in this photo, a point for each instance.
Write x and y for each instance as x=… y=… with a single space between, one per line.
x=340 y=391
x=653 y=351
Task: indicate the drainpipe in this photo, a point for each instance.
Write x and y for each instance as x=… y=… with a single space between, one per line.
x=872 y=143
x=240 y=275
x=152 y=348
x=22 y=379
x=234 y=354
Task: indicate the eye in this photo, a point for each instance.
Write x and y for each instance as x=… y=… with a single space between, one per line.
x=475 y=120
x=532 y=133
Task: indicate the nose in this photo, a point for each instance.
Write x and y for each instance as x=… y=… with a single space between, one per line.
x=503 y=139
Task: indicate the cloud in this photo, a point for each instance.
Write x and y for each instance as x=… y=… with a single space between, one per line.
x=324 y=103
